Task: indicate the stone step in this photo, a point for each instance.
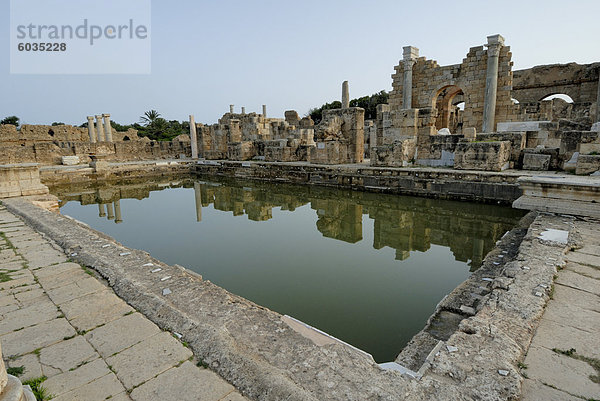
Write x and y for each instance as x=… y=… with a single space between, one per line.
x=13 y=390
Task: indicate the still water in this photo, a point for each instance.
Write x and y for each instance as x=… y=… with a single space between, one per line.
x=366 y=268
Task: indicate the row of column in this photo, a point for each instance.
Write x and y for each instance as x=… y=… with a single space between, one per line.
x=112 y=209
x=101 y=131
x=264 y=110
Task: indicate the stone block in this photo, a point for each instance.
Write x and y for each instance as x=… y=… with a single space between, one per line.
x=587 y=164
x=70 y=160
x=469 y=133
x=488 y=156
x=536 y=162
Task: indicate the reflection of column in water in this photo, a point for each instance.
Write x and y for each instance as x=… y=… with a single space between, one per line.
x=477 y=251
x=118 y=218
x=101 y=211
x=109 y=210
x=198 y=196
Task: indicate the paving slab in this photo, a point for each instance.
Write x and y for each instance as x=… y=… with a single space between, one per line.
x=564 y=337
x=583 y=258
x=199 y=384
x=565 y=373
x=533 y=390
x=566 y=313
x=73 y=379
x=97 y=390
x=576 y=280
x=34 y=337
x=148 y=359
x=122 y=333
x=88 y=305
x=33 y=292
x=68 y=354
x=582 y=299
x=32 y=366
x=584 y=270
x=78 y=289
x=50 y=271
x=29 y=316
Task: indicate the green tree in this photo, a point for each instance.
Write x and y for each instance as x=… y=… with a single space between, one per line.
x=369 y=103
x=149 y=117
x=13 y=120
x=54 y=124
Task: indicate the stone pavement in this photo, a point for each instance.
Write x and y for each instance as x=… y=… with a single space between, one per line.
x=59 y=321
x=563 y=361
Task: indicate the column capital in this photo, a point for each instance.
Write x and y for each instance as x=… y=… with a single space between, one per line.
x=410 y=53
x=99 y=116
x=90 y=118
x=408 y=64
x=495 y=42
x=106 y=115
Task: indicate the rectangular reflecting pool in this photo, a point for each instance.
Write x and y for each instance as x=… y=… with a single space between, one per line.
x=366 y=268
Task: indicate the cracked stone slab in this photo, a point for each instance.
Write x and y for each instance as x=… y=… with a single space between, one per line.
x=78 y=289
x=68 y=354
x=551 y=334
x=99 y=314
x=29 y=316
x=121 y=334
x=583 y=258
x=49 y=271
x=32 y=366
x=34 y=337
x=147 y=359
x=566 y=313
x=587 y=271
x=576 y=280
x=199 y=384
x=575 y=297
x=17 y=283
x=73 y=379
x=565 y=373
x=533 y=390
x=62 y=279
x=97 y=390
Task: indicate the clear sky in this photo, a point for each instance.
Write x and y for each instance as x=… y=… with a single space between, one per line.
x=293 y=55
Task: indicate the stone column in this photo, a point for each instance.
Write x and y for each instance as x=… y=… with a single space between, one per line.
x=101 y=212
x=107 y=128
x=409 y=58
x=91 y=130
x=243 y=110
x=231 y=108
x=598 y=99
x=110 y=211
x=193 y=137
x=198 y=196
x=265 y=110
x=117 y=205
x=345 y=95
x=100 y=128
x=495 y=43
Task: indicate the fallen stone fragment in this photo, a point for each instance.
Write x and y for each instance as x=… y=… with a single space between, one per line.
x=166 y=291
x=451 y=348
x=156 y=270
x=125 y=253
x=503 y=372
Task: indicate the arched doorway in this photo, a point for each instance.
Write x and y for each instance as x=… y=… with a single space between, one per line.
x=450 y=104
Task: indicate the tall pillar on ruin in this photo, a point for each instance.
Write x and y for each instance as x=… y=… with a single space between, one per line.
x=243 y=110
x=100 y=128
x=231 y=108
x=345 y=95
x=264 y=110
x=107 y=128
x=91 y=131
x=494 y=44
x=598 y=100
x=198 y=198
x=193 y=137
x=118 y=217
x=410 y=54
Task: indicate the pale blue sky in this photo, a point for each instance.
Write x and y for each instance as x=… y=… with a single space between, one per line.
x=293 y=55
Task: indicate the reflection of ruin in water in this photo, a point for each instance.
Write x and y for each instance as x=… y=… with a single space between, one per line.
x=405 y=224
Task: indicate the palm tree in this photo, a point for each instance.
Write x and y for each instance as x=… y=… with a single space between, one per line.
x=149 y=117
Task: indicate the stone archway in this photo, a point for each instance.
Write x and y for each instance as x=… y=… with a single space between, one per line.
x=449 y=101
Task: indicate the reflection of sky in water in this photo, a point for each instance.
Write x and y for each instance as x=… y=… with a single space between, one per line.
x=292 y=262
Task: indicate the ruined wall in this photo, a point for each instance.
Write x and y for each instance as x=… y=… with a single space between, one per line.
x=578 y=81
x=430 y=80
